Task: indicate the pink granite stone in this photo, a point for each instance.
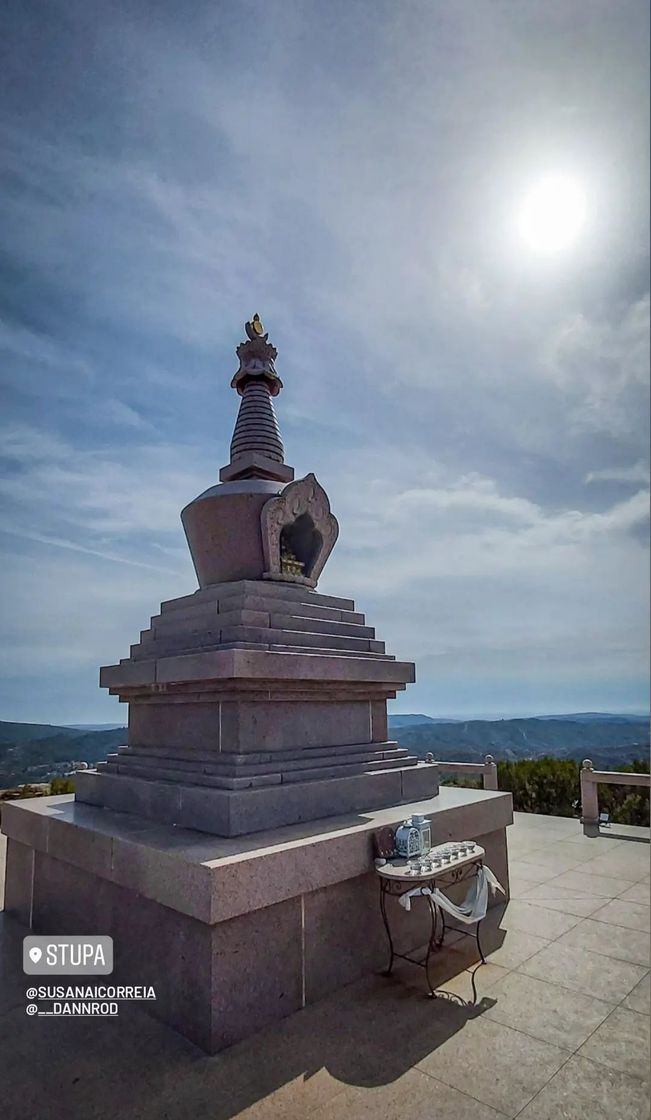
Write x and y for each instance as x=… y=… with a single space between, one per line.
x=232 y=934
x=223 y=532
x=256 y=660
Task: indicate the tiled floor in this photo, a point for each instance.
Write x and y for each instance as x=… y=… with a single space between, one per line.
x=560 y=1032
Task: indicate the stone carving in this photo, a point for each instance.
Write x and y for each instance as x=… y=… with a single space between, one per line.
x=257 y=357
x=298 y=532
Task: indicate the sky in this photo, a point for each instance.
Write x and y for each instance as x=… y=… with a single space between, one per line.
x=476 y=407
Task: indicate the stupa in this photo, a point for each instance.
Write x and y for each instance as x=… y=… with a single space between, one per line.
x=228 y=847
x=257 y=702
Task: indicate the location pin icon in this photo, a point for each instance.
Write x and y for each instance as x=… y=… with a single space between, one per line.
x=35 y=954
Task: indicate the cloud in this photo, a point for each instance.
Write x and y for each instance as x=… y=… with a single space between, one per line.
x=476 y=585
x=127 y=494
x=465 y=406
x=66 y=613
x=636 y=472
x=602 y=369
x=54 y=542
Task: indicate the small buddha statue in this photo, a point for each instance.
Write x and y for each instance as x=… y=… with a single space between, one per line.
x=289 y=563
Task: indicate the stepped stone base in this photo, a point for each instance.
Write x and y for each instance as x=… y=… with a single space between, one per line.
x=227 y=812
x=233 y=934
x=253 y=705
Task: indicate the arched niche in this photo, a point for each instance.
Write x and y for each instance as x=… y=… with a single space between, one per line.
x=298 y=532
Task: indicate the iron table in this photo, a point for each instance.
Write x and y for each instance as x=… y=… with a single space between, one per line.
x=397 y=878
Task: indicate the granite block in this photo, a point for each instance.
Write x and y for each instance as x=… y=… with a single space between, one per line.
x=161 y=876
x=290 y=609
x=301 y=769
x=91 y=851
x=30 y=828
x=89 y=788
x=345 y=936
x=257 y=964
x=192 y=615
x=379 y=720
x=208 y=618
x=66 y=898
x=143 y=797
x=296 y=594
x=497 y=858
x=255 y=762
x=124 y=796
x=163 y=802
x=18 y=881
x=265 y=589
x=158 y=946
x=285 y=622
x=152 y=944
x=302 y=638
x=307 y=801
x=419 y=782
x=217 y=665
x=258 y=665
x=344 y=769
x=290 y=761
x=208 y=810
x=176 y=644
x=162 y=724
x=169 y=774
x=325 y=648
x=127 y=674
x=281 y=725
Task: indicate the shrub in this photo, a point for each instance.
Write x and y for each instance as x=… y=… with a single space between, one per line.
x=552 y=786
x=62 y=785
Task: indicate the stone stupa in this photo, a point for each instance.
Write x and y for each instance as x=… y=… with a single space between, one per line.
x=257 y=702
x=228 y=848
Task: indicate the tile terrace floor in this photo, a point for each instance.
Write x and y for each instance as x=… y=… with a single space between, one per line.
x=561 y=1029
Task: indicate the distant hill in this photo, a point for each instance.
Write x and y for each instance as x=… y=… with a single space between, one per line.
x=34 y=752
x=415 y=720
x=608 y=740
x=96 y=726
x=600 y=717
x=18 y=732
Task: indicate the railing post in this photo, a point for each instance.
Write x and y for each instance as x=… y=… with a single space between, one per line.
x=490 y=773
x=589 y=800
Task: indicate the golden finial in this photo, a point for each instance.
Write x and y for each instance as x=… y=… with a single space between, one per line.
x=254 y=328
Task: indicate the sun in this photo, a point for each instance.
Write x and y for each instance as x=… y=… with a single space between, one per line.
x=552 y=214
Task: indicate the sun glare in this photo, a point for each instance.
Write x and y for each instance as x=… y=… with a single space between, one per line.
x=552 y=214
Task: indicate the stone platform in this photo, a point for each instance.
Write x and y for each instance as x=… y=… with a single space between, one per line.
x=234 y=934
x=562 y=1013
x=252 y=705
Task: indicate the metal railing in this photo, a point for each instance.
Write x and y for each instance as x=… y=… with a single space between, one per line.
x=590 y=779
x=487 y=769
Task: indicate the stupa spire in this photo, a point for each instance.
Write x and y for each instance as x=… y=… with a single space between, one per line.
x=256 y=447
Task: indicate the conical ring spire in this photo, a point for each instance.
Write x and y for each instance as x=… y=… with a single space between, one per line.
x=257 y=448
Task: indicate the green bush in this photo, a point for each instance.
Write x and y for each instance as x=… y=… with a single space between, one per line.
x=23 y=791
x=542 y=785
x=56 y=785
x=62 y=785
x=552 y=786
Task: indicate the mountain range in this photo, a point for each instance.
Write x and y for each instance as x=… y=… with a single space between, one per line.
x=609 y=739
x=35 y=752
